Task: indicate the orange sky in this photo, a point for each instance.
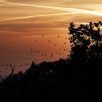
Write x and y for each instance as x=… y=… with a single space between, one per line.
x=24 y=22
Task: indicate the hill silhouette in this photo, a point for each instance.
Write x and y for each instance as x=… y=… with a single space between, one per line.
x=77 y=78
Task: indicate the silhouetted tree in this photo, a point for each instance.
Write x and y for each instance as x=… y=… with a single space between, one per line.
x=86 y=41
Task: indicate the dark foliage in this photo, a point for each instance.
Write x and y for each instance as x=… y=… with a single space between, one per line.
x=86 y=42
x=77 y=78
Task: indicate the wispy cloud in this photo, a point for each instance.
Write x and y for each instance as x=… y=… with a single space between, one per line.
x=26 y=17
x=66 y=10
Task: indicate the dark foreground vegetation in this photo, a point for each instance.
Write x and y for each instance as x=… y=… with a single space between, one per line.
x=78 y=78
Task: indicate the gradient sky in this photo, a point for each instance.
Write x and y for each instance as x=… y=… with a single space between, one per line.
x=40 y=25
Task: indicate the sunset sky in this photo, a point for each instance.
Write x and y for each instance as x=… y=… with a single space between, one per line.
x=37 y=29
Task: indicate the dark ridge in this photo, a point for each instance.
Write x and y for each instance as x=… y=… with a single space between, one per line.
x=77 y=79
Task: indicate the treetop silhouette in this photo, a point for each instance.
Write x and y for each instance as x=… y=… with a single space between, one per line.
x=86 y=41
